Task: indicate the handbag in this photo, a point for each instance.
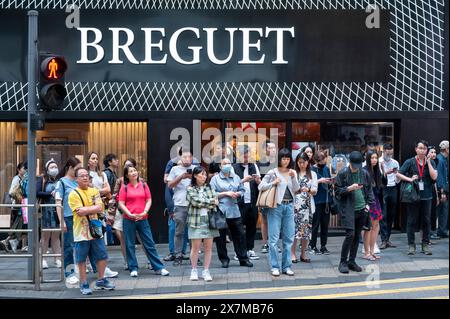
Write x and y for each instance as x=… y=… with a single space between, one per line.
x=331 y=206
x=409 y=192
x=267 y=198
x=96 y=227
x=217 y=219
x=367 y=221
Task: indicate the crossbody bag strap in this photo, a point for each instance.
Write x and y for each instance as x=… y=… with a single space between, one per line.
x=82 y=201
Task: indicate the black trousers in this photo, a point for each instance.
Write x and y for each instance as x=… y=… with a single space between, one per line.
x=419 y=213
x=237 y=234
x=320 y=219
x=389 y=212
x=434 y=216
x=249 y=214
x=351 y=241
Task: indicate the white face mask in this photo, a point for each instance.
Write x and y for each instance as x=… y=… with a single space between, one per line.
x=53 y=172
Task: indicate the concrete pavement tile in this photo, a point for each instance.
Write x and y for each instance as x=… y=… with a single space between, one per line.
x=238 y=278
x=168 y=289
x=238 y=285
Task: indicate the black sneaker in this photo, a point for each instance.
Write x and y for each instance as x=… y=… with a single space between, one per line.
x=169 y=257
x=353 y=266
x=178 y=261
x=324 y=250
x=265 y=249
x=343 y=267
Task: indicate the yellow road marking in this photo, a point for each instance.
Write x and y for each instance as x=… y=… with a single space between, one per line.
x=283 y=289
x=374 y=293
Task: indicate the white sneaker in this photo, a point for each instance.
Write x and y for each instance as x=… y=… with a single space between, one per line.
x=58 y=263
x=162 y=272
x=363 y=251
x=110 y=274
x=252 y=255
x=235 y=257
x=194 y=274
x=377 y=249
x=134 y=273
x=206 y=275
x=72 y=280
x=125 y=266
x=275 y=272
x=89 y=268
x=44 y=264
x=288 y=272
x=25 y=249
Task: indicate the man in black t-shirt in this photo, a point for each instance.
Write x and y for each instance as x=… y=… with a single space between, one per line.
x=422 y=170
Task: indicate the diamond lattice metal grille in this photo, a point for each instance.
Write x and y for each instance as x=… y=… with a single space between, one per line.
x=416 y=77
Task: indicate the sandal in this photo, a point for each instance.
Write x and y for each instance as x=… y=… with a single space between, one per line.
x=376 y=257
x=369 y=257
x=305 y=260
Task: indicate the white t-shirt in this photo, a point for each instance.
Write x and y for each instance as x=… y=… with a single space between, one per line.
x=247 y=194
x=180 y=191
x=392 y=178
x=97 y=181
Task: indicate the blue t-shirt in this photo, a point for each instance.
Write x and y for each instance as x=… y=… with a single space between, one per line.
x=322 y=190
x=63 y=192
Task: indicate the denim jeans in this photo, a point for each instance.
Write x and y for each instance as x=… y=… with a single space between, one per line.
x=418 y=213
x=389 y=212
x=145 y=233
x=442 y=214
x=281 y=219
x=171 y=223
x=68 y=245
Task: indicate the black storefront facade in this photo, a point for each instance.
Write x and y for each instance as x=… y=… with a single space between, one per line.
x=314 y=92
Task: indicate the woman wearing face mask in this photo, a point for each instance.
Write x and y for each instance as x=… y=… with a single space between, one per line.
x=45 y=191
x=229 y=188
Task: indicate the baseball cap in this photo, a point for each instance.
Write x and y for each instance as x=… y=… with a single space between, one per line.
x=443 y=145
x=356 y=159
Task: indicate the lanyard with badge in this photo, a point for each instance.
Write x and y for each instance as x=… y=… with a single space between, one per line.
x=421 y=171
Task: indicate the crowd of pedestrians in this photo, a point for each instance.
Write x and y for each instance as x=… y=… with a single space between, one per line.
x=364 y=193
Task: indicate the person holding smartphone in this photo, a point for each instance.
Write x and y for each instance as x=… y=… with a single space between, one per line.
x=355 y=195
x=389 y=169
x=179 y=180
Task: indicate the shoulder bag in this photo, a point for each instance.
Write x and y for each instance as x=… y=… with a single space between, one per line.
x=268 y=198
x=96 y=227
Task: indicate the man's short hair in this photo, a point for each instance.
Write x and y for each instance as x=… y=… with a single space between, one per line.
x=78 y=169
x=108 y=158
x=387 y=147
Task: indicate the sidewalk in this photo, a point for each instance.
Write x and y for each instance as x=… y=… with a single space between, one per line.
x=322 y=270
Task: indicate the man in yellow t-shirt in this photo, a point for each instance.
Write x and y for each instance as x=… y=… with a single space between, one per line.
x=86 y=201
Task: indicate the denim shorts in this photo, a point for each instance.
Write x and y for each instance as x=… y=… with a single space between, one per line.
x=84 y=248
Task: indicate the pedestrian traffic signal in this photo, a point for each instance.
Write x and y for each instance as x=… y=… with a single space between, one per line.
x=52 y=89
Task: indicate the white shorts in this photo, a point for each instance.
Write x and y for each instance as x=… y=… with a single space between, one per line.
x=118 y=221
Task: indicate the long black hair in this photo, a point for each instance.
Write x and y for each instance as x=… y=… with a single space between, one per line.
x=284 y=153
x=71 y=162
x=304 y=157
x=197 y=170
x=20 y=166
x=374 y=171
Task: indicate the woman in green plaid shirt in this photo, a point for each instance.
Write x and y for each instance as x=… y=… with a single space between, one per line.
x=201 y=198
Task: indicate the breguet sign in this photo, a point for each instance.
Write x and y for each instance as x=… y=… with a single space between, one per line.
x=205 y=45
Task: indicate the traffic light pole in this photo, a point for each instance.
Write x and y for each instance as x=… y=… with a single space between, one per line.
x=33 y=237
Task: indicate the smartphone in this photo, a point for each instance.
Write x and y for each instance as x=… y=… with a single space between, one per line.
x=254 y=175
x=359 y=184
x=189 y=171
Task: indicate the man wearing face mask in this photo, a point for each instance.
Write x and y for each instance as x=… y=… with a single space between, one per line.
x=45 y=192
x=389 y=168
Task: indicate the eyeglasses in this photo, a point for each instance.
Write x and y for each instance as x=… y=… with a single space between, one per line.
x=84 y=176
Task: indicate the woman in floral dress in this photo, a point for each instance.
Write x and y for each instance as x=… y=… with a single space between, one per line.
x=304 y=207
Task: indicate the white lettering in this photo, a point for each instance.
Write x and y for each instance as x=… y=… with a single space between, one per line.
x=195 y=50
x=84 y=45
x=149 y=45
x=210 y=45
x=116 y=47
x=280 y=38
x=246 y=45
